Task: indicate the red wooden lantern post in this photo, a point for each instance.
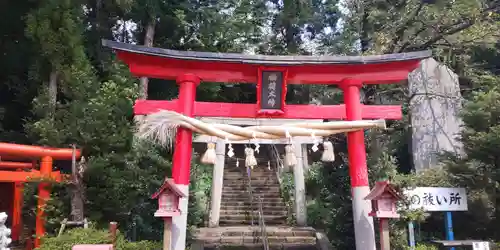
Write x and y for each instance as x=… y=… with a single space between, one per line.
x=169 y=197
x=272 y=75
x=384 y=199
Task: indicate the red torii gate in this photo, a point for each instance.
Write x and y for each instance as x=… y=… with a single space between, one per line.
x=272 y=74
x=14 y=173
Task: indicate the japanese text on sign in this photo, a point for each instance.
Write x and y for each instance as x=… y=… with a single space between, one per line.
x=437 y=199
x=481 y=246
x=271 y=90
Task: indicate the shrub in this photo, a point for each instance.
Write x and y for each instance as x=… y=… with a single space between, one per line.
x=425 y=247
x=93 y=236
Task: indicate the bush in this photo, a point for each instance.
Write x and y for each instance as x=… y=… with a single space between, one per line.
x=93 y=236
x=424 y=247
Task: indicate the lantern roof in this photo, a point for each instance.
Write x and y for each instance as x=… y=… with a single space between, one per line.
x=382 y=187
x=168 y=184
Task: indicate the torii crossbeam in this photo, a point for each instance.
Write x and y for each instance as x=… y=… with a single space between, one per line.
x=272 y=74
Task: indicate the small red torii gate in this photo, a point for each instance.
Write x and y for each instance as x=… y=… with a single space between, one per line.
x=272 y=74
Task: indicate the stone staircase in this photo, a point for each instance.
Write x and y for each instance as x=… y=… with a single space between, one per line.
x=235 y=229
x=249 y=238
x=236 y=209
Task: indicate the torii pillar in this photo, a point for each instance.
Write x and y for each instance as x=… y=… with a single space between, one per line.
x=181 y=164
x=358 y=171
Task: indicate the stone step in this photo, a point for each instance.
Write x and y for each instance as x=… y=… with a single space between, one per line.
x=255 y=198
x=254 y=191
x=252 y=231
x=249 y=222
x=255 y=194
x=261 y=181
x=238 y=240
x=269 y=189
x=253 y=179
x=230 y=212
x=259 y=246
x=255 y=186
x=252 y=173
x=265 y=203
x=273 y=188
x=237 y=220
x=255 y=207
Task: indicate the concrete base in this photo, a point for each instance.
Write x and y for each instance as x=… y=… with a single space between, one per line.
x=363 y=224
x=179 y=223
x=217 y=183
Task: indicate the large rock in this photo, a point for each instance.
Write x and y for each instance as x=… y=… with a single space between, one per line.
x=435 y=102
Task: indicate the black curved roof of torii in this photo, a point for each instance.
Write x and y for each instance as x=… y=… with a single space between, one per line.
x=265 y=59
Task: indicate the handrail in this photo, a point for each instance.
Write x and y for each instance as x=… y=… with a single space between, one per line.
x=250 y=193
x=277 y=156
x=262 y=225
x=279 y=162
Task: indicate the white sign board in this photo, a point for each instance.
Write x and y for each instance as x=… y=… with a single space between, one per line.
x=480 y=246
x=435 y=199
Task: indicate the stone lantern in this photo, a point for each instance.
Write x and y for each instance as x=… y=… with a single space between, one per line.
x=5 y=232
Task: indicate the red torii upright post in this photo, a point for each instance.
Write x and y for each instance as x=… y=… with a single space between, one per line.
x=272 y=74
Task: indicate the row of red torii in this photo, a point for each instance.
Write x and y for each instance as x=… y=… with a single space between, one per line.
x=272 y=75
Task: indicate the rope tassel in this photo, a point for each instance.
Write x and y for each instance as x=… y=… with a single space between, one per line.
x=328 y=153
x=209 y=155
x=250 y=160
x=290 y=158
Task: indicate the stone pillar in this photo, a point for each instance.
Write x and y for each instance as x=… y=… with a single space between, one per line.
x=435 y=102
x=305 y=157
x=300 y=190
x=217 y=184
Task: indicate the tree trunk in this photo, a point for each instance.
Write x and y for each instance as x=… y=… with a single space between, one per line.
x=78 y=191
x=52 y=92
x=364 y=38
x=148 y=41
x=143 y=81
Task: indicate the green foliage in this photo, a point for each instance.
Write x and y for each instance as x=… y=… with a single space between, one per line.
x=57 y=206
x=424 y=247
x=287 y=189
x=200 y=190
x=329 y=203
x=479 y=169
x=56 y=28
x=93 y=236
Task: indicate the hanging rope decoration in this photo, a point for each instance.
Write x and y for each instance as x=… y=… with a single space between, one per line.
x=230 y=151
x=257 y=146
x=290 y=158
x=328 y=154
x=161 y=127
x=209 y=156
x=250 y=160
x=315 y=143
